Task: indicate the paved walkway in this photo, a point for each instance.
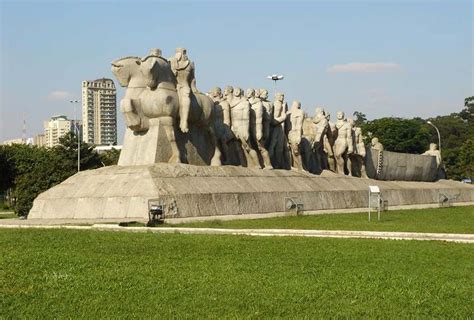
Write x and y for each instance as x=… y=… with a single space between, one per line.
x=450 y=237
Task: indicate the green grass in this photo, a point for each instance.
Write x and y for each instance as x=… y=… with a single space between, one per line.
x=7 y=215
x=439 y=220
x=92 y=274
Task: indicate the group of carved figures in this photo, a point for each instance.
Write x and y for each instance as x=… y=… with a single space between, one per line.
x=245 y=128
x=271 y=135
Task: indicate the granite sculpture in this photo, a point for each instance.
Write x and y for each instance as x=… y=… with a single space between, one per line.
x=222 y=123
x=321 y=142
x=358 y=156
x=257 y=123
x=295 y=132
x=434 y=152
x=240 y=119
x=267 y=115
x=152 y=106
x=343 y=145
x=278 y=141
x=183 y=69
x=177 y=139
x=169 y=120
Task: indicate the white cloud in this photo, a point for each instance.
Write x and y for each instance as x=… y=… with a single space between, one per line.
x=364 y=67
x=58 y=95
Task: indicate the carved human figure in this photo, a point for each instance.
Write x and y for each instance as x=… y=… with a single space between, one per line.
x=329 y=139
x=295 y=131
x=357 y=158
x=343 y=143
x=277 y=145
x=222 y=121
x=376 y=145
x=267 y=116
x=228 y=94
x=183 y=69
x=256 y=128
x=321 y=126
x=240 y=125
x=306 y=149
x=257 y=93
x=433 y=151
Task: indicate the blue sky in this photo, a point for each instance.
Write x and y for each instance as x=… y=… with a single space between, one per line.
x=384 y=58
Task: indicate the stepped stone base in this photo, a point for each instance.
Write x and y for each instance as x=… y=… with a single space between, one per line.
x=124 y=192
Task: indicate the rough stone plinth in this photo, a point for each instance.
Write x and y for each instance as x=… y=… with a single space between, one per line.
x=123 y=193
x=152 y=146
x=400 y=166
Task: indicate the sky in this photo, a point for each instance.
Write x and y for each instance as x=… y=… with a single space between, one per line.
x=383 y=58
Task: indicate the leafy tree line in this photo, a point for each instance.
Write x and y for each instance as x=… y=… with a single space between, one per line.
x=415 y=135
x=26 y=171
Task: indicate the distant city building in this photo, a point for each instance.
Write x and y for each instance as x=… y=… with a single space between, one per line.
x=39 y=140
x=54 y=129
x=14 y=141
x=99 y=112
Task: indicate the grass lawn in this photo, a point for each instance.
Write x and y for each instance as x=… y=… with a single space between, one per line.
x=7 y=215
x=92 y=274
x=441 y=220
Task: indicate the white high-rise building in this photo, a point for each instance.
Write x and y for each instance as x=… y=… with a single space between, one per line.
x=99 y=112
x=54 y=129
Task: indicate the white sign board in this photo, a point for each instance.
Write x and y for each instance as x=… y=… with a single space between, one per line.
x=374 y=199
x=374 y=189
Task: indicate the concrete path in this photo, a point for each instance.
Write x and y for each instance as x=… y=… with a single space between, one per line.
x=449 y=237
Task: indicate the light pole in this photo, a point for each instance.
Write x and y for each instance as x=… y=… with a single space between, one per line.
x=439 y=136
x=75 y=102
x=275 y=78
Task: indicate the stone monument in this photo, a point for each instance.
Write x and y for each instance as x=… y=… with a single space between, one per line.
x=177 y=139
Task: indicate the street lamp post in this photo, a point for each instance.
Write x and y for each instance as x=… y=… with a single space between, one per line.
x=439 y=136
x=275 y=78
x=75 y=102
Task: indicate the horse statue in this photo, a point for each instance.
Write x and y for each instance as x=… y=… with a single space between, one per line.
x=128 y=74
x=150 y=103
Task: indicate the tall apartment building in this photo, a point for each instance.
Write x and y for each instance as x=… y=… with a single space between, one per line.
x=99 y=112
x=39 y=140
x=54 y=129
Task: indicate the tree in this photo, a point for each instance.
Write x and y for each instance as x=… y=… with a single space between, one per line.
x=109 y=157
x=399 y=135
x=47 y=171
x=6 y=169
x=67 y=150
x=467 y=114
x=359 y=118
x=30 y=170
x=466 y=158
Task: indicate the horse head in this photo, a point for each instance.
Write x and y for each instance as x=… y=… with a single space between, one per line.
x=126 y=69
x=157 y=71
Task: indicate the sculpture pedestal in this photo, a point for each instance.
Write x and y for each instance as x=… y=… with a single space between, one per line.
x=123 y=193
x=153 y=146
